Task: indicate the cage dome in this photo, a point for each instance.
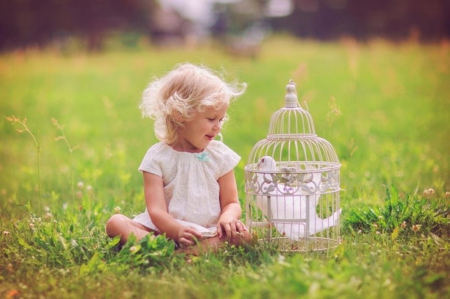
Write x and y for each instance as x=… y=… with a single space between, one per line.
x=292 y=183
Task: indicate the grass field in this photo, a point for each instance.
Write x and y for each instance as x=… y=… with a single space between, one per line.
x=384 y=107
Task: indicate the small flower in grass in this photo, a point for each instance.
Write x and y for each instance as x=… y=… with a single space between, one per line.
x=359 y=231
x=73 y=243
x=375 y=225
x=377 y=232
x=79 y=194
x=117 y=210
x=447 y=194
x=6 y=233
x=428 y=192
x=281 y=259
x=89 y=188
x=80 y=185
x=48 y=216
x=133 y=249
x=416 y=227
x=32 y=225
x=403 y=225
x=46 y=209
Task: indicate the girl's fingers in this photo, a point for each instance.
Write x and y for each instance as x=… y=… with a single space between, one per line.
x=238 y=226
x=241 y=227
x=194 y=233
x=234 y=230
x=227 y=229
x=189 y=236
x=186 y=241
x=219 y=231
x=231 y=230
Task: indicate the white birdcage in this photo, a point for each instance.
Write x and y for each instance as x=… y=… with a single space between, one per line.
x=292 y=183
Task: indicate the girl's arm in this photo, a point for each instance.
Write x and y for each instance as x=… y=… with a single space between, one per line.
x=229 y=223
x=157 y=209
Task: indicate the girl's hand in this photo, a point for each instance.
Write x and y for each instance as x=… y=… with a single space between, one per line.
x=230 y=227
x=187 y=236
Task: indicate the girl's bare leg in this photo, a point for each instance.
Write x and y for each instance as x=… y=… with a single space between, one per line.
x=120 y=225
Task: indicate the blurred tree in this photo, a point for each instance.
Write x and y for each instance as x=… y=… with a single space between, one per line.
x=31 y=22
x=362 y=19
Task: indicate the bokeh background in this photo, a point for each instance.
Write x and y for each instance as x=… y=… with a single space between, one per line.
x=238 y=22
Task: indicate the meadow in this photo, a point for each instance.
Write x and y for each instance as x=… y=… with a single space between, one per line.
x=72 y=138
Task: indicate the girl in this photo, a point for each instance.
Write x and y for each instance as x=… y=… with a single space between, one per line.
x=189 y=183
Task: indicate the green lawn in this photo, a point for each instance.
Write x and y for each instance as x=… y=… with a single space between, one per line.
x=384 y=107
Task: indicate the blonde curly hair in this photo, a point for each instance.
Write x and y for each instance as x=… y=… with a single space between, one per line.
x=181 y=93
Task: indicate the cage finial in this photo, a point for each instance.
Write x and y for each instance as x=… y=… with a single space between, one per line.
x=290 y=99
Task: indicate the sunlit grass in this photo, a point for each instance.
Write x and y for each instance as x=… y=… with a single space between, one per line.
x=383 y=106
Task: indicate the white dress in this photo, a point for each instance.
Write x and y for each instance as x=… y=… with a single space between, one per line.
x=190 y=183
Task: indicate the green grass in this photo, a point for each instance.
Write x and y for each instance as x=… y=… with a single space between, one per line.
x=383 y=106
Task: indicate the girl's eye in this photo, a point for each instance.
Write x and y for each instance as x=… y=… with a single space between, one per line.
x=214 y=119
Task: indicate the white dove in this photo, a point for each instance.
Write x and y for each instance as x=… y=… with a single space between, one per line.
x=290 y=213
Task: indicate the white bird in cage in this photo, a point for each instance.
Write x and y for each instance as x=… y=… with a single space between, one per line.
x=284 y=208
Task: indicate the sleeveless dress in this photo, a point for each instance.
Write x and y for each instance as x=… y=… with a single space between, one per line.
x=190 y=183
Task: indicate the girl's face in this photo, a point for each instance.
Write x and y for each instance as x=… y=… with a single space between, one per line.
x=200 y=131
